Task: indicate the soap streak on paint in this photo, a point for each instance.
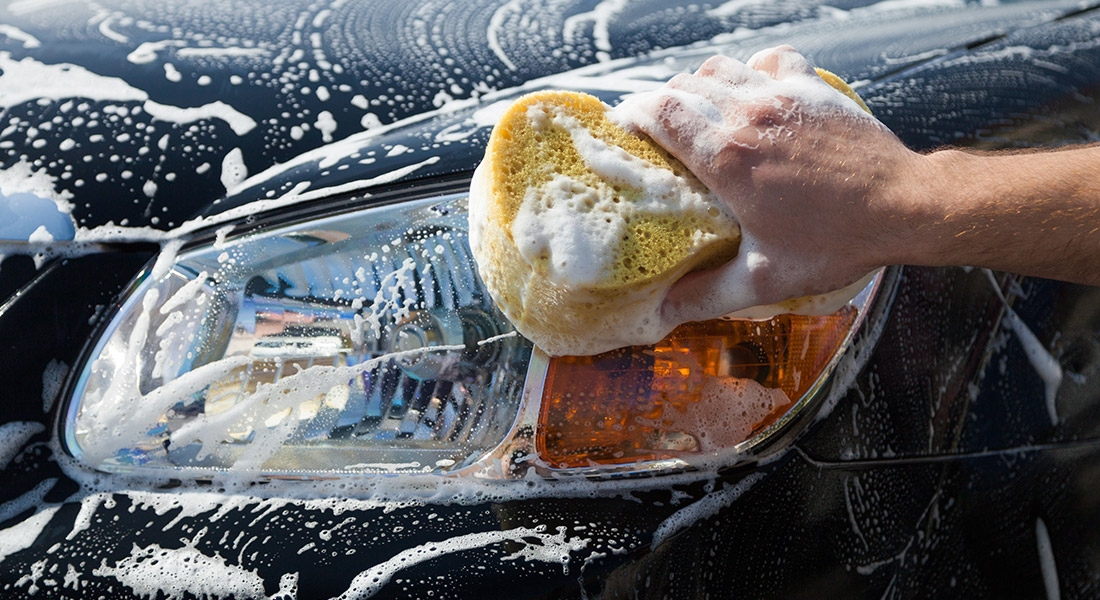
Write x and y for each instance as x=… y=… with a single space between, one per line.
x=14 y=33
x=705 y=507
x=88 y=507
x=21 y=535
x=1040 y=358
x=90 y=240
x=1046 y=560
x=28 y=501
x=600 y=17
x=555 y=548
x=28 y=80
x=924 y=535
x=496 y=25
x=182 y=573
x=858 y=493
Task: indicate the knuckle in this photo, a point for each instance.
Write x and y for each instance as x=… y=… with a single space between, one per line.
x=713 y=65
x=729 y=156
x=763 y=114
x=681 y=81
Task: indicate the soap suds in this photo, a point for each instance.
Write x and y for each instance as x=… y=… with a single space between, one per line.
x=180 y=573
x=14 y=436
x=234 y=170
x=554 y=548
x=578 y=226
x=1044 y=363
x=27 y=80
x=1047 y=565
x=729 y=409
x=29 y=501
x=705 y=507
x=21 y=535
x=14 y=33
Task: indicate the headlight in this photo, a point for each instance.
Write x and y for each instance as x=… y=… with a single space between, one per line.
x=365 y=343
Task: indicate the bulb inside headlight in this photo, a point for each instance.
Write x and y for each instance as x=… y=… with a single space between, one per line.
x=348 y=344
x=366 y=343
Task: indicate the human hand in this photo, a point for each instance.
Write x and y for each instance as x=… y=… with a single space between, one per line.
x=811 y=177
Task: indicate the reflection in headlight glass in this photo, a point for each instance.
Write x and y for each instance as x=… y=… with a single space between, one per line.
x=354 y=343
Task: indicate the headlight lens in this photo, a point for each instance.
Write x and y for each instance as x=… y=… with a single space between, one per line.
x=365 y=343
x=349 y=343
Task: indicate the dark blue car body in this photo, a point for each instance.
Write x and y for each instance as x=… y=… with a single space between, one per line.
x=938 y=469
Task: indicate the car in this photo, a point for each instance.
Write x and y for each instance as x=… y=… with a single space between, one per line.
x=246 y=352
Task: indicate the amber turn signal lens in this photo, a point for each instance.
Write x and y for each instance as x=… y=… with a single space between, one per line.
x=705 y=387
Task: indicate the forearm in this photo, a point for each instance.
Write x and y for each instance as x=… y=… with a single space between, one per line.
x=1034 y=214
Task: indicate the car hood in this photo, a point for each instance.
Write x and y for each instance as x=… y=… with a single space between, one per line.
x=145 y=115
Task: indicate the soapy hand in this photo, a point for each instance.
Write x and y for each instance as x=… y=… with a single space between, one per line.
x=806 y=171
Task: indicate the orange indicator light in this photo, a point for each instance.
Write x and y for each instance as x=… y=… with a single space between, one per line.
x=705 y=387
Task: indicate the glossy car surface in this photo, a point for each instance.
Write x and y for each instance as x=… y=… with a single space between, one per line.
x=952 y=453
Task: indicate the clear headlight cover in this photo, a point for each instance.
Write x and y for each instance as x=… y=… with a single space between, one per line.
x=352 y=343
x=366 y=343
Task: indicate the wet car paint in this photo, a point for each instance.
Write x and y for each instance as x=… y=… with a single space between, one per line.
x=935 y=470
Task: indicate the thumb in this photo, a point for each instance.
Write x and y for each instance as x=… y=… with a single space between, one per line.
x=713 y=293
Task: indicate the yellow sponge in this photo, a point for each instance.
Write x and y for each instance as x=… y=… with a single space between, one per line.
x=579 y=224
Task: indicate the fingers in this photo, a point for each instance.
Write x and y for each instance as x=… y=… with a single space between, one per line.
x=676 y=119
x=701 y=96
x=781 y=62
x=727 y=71
x=716 y=91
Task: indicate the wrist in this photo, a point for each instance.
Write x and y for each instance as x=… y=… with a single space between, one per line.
x=914 y=210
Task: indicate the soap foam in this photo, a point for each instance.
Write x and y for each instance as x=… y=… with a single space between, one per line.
x=185 y=572
x=554 y=222
x=1044 y=363
x=21 y=535
x=551 y=548
x=14 y=436
x=728 y=411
